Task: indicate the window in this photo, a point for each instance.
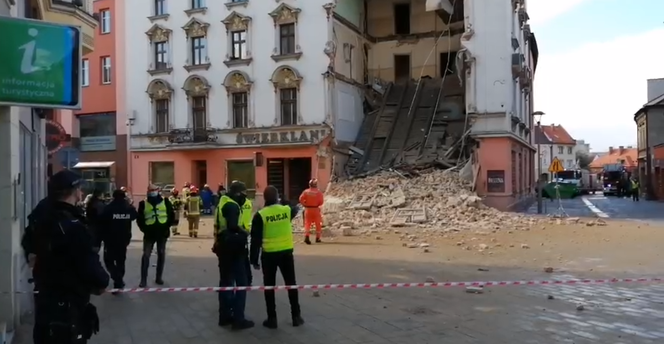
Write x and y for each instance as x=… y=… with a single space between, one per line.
x=198 y=51
x=162 y=172
x=245 y=171
x=286 y=39
x=102 y=124
x=198 y=112
x=162 y=115
x=447 y=63
x=288 y=99
x=159 y=7
x=106 y=70
x=85 y=72
x=569 y=150
x=561 y=149
x=402 y=19
x=161 y=55
x=239 y=45
x=240 y=115
x=197 y=3
x=105 y=25
x=97 y=132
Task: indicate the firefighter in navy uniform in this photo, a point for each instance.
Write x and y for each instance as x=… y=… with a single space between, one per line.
x=272 y=240
x=115 y=233
x=66 y=268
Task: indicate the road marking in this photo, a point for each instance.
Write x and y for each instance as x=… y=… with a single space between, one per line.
x=593 y=208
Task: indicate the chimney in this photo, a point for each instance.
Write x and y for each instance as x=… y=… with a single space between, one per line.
x=621 y=150
x=610 y=150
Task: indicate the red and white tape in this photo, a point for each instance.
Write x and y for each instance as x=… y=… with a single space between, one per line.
x=391 y=285
x=385 y=285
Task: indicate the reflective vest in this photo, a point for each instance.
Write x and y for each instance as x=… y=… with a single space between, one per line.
x=277 y=228
x=246 y=215
x=155 y=214
x=635 y=184
x=221 y=220
x=194 y=205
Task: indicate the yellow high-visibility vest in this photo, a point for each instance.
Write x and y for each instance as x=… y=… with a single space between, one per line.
x=155 y=214
x=194 y=205
x=277 y=228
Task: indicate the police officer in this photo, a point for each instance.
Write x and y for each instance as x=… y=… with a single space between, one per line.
x=66 y=268
x=272 y=233
x=116 y=235
x=93 y=209
x=230 y=246
x=155 y=217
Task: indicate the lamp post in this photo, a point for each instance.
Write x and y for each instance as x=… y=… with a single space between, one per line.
x=537 y=115
x=129 y=123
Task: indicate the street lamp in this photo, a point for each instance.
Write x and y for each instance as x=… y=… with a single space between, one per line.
x=130 y=122
x=537 y=116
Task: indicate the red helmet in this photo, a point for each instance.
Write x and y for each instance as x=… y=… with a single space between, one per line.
x=175 y=192
x=313 y=183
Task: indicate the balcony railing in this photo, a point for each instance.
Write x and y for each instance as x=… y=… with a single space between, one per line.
x=192 y=135
x=83 y=5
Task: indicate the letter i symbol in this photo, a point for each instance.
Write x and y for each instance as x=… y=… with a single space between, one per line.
x=29 y=53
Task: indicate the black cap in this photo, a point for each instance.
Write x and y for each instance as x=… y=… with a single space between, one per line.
x=119 y=194
x=65 y=180
x=237 y=187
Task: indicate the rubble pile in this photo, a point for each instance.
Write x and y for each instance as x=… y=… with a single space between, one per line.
x=434 y=199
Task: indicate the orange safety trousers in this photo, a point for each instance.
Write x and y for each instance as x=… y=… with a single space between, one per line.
x=312 y=216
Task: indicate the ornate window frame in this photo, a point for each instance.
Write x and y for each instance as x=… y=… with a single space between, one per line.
x=197 y=86
x=286 y=77
x=237 y=22
x=237 y=81
x=232 y=3
x=159 y=34
x=196 y=28
x=160 y=89
x=285 y=14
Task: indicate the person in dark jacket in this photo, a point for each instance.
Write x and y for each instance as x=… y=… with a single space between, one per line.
x=230 y=246
x=66 y=268
x=93 y=210
x=115 y=233
x=272 y=242
x=155 y=217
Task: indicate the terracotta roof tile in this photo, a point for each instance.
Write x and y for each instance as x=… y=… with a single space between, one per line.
x=558 y=135
x=628 y=154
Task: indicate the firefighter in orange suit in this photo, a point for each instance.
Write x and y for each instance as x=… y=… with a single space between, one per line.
x=312 y=200
x=192 y=208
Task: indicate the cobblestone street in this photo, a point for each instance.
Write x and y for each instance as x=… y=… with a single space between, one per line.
x=613 y=313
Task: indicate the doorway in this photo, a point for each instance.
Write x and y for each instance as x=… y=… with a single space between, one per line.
x=299 y=174
x=447 y=63
x=289 y=176
x=402 y=68
x=200 y=173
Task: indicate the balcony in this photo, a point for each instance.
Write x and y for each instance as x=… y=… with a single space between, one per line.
x=193 y=136
x=71 y=12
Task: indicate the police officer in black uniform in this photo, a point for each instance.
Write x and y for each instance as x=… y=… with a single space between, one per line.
x=115 y=232
x=66 y=268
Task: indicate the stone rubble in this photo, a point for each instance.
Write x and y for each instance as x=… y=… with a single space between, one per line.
x=436 y=201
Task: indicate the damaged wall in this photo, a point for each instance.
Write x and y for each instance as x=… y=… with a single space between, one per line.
x=349 y=60
x=381 y=24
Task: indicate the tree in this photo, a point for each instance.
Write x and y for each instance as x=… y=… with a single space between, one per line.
x=584 y=159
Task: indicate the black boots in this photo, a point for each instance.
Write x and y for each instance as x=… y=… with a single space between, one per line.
x=308 y=241
x=271 y=322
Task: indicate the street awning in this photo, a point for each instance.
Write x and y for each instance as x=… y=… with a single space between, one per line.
x=96 y=164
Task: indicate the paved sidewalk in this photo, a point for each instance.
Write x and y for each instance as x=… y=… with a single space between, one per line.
x=620 y=313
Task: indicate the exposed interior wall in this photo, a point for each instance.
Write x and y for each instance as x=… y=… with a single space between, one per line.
x=349 y=111
x=351 y=10
x=350 y=59
x=381 y=24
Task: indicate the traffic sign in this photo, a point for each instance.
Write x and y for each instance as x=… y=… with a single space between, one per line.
x=556 y=166
x=40 y=64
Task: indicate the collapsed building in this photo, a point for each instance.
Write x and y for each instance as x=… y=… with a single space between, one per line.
x=456 y=93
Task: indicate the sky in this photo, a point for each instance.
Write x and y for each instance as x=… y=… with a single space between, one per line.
x=595 y=58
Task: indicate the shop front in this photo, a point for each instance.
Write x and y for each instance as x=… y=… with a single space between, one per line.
x=284 y=157
x=97 y=176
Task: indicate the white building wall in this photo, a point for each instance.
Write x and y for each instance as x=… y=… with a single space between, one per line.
x=312 y=34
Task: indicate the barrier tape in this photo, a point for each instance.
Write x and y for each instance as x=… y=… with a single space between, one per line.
x=480 y=284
